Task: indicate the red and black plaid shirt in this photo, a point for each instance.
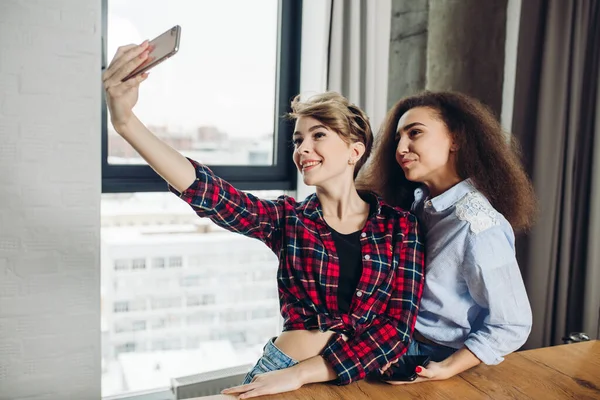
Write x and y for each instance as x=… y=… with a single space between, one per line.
x=384 y=307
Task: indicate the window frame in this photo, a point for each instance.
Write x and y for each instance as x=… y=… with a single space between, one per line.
x=281 y=175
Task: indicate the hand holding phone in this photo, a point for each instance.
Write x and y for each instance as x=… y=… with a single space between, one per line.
x=403 y=370
x=161 y=48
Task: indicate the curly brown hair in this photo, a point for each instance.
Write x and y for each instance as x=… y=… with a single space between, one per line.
x=337 y=113
x=484 y=154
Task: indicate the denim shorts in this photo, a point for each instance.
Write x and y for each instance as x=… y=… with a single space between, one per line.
x=272 y=359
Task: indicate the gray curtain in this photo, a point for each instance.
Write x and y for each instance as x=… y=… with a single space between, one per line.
x=556 y=118
x=358 y=53
x=347 y=62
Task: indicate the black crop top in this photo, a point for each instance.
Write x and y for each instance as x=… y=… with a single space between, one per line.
x=349 y=251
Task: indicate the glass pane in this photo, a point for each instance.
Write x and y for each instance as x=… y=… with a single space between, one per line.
x=176 y=300
x=215 y=99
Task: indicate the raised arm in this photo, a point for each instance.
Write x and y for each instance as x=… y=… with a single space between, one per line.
x=195 y=183
x=121 y=97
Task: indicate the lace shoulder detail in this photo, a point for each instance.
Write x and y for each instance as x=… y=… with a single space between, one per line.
x=475 y=209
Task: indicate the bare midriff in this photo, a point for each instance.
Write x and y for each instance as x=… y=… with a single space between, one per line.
x=301 y=344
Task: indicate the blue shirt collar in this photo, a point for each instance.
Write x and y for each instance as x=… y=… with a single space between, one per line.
x=449 y=197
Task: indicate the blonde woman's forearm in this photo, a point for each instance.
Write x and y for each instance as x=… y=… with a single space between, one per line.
x=171 y=165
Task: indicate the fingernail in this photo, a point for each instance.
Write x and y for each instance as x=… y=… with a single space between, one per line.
x=419 y=370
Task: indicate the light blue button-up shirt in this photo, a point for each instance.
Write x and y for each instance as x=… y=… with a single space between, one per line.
x=474 y=293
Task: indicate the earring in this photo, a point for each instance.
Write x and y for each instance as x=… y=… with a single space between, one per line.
x=351 y=162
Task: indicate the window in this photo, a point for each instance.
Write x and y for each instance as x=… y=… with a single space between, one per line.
x=121 y=306
x=165 y=322
x=125 y=348
x=130 y=326
x=202 y=101
x=162 y=307
x=179 y=296
x=175 y=262
x=128 y=306
x=122 y=327
x=138 y=326
x=139 y=263
x=158 y=262
x=122 y=265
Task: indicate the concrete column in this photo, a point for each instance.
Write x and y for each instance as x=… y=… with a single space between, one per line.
x=466 y=47
x=408 y=48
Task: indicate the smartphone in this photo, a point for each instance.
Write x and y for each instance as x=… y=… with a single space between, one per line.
x=161 y=48
x=404 y=370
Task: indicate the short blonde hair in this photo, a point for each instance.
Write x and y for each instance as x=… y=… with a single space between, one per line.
x=335 y=112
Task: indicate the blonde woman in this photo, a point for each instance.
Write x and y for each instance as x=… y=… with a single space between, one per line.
x=351 y=267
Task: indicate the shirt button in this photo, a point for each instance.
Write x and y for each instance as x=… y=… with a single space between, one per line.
x=367 y=257
x=359 y=294
x=364 y=234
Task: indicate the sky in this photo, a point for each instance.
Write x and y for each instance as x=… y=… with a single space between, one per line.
x=224 y=71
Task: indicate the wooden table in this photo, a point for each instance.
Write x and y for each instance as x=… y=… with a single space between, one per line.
x=569 y=371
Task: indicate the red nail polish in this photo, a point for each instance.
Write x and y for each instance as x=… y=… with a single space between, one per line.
x=419 y=370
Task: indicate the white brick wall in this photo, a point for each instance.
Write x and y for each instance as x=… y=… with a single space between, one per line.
x=49 y=199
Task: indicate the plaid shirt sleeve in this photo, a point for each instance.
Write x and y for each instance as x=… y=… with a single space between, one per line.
x=212 y=197
x=388 y=336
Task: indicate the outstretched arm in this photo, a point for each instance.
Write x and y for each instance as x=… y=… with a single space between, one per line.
x=195 y=183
